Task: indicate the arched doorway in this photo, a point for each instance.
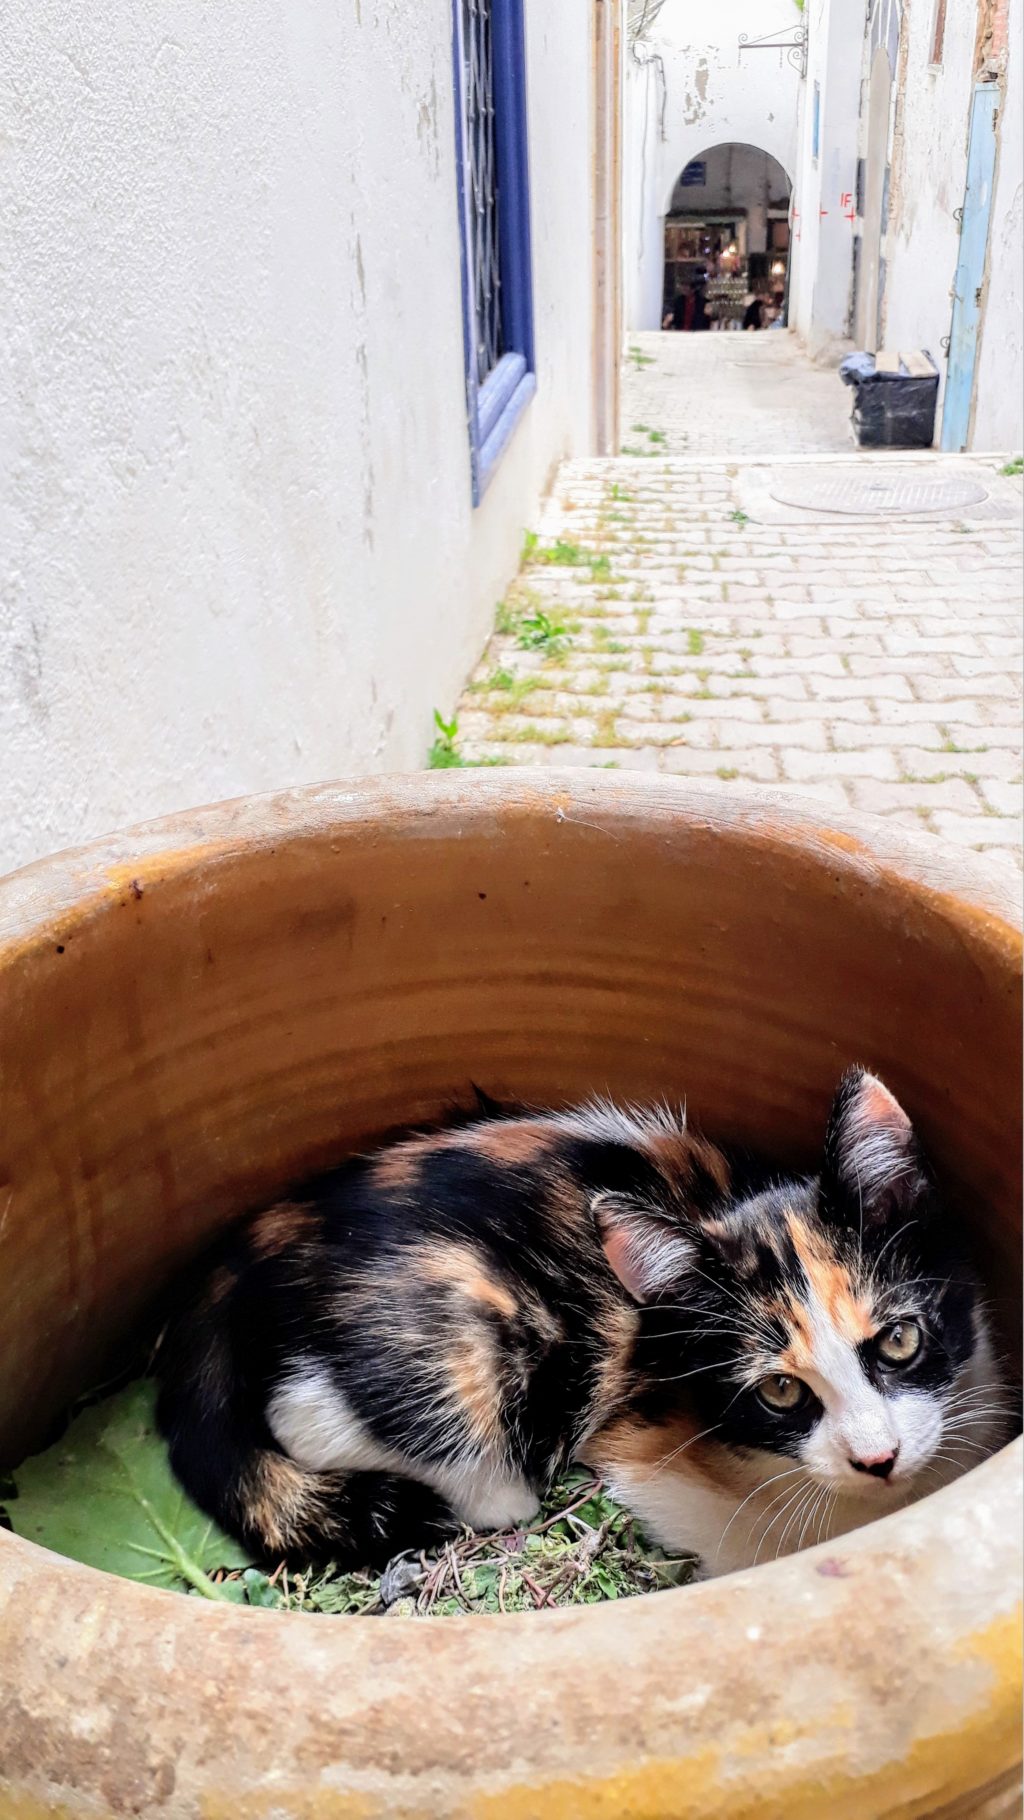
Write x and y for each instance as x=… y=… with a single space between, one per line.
x=727 y=226
x=870 y=257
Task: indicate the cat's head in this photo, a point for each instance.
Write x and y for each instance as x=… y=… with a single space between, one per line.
x=831 y=1320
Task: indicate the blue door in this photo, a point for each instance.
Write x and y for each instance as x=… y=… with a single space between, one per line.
x=970 y=267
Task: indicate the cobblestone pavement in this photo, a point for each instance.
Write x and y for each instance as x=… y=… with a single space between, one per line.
x=655 y=626
x=727 y=393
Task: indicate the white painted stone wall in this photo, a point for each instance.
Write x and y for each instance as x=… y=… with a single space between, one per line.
x=237 y=548
x=825 y=183
x=999 y=393
x=929 y=171
x=689 y=87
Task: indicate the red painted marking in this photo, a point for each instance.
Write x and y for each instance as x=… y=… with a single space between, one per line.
x=822 y=212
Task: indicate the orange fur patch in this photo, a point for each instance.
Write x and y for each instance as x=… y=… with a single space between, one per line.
x=399 y=1168
x=514 y=1141
x=471 y=1368
x=849 y=1313
x=283 y=1503
x=460 y=1268
x=617 y=1326
x=649 y=1449
x=279 y=1229
x=678 y=1155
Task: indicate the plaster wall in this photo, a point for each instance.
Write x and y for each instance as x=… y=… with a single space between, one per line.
x=237 y=544
x=999 y=392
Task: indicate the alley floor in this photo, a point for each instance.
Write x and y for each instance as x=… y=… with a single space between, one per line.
x=730 y=393
x=673 y=614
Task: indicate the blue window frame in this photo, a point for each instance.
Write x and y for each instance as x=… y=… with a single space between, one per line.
x=494 y=211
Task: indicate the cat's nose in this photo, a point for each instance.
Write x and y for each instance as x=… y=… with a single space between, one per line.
x=879 y=1465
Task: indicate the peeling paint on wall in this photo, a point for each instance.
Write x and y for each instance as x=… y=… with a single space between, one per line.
x=695 y=106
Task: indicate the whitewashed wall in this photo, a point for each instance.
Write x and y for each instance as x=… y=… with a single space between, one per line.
x=999 y=391
x=821 y=261
x=689 y=87
x=929 y=171
x=237 y=549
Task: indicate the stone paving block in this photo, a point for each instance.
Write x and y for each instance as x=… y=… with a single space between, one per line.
x=853 y=736
x=755 y=767
x=992 y=687
x=978 y=830
x=806 y=737
x=878 y=763
x=1005 y=798
x=833 y=795
x=841 y=688
x=975 y=761
x=879 y=798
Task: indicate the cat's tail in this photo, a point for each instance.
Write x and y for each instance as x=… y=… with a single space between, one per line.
x=226 y=1458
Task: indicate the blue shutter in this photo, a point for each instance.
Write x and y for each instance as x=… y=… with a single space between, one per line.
x=494 y=209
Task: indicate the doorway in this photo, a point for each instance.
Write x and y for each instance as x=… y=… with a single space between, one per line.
x=726 y=237
x=969 y=282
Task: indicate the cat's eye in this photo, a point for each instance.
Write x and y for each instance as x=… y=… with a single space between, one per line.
x=900 y=1343
x=782 y=1393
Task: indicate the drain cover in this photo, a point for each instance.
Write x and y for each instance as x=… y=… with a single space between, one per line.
x=871 y=495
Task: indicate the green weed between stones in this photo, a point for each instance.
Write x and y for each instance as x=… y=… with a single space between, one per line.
x=564 y=554
x=444 y=754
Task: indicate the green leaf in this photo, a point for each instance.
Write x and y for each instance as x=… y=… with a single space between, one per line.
x=105 y=1494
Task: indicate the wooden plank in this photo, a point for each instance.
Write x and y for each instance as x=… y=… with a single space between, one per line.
x=887 y=361
x=918 y=365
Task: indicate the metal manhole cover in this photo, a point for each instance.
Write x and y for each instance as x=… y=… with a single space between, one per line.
x=870 y=495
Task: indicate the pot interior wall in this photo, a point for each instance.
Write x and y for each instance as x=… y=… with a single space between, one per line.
x=204 y=1025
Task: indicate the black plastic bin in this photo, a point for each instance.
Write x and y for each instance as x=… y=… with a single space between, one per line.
x=892 y=410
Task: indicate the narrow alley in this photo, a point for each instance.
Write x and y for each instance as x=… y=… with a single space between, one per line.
x=675 y=614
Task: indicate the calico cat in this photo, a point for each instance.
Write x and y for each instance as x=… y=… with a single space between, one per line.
x=424 y=1337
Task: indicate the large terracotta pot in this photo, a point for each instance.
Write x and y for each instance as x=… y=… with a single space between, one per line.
x=194 y=1012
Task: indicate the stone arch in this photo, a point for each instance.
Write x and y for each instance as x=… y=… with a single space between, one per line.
x=732 y=198
x=777 y=168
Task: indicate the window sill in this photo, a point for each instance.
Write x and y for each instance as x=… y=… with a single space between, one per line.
x=501 y=402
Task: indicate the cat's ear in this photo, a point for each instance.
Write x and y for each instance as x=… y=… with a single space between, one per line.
x=648 y=1251
x=873 y=1168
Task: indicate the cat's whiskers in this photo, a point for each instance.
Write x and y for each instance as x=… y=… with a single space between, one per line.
x=824 y=1527
x=796 y=1497
x=698 y=1371
x=659 y=1465
x=891 y=1240
x=794 y=1518
x=758 y=1489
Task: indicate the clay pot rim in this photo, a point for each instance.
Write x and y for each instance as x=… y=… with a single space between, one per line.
x=79 y=880
x=44 y=901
